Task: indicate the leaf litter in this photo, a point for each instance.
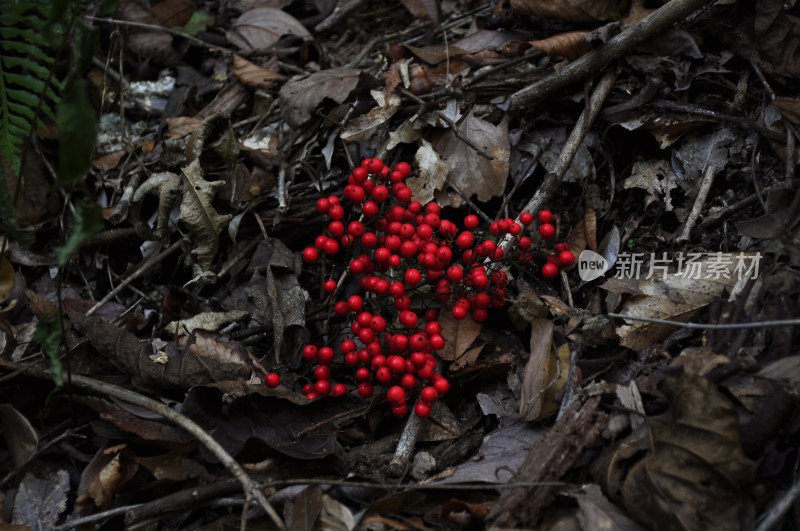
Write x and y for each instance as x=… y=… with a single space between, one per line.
x=216 y=151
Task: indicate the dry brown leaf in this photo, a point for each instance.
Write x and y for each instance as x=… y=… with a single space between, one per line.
x=569 y=45
x=657 y=178
x=254 y=76
x=471 y=172
x=154 y=44
x=6 y=278
x=423 y=9
x=173 y=466
x=39 y=503
x=458 y=335
x=261 y=27
x=778 y=36
x=482 y=39
x=789 y=108
x=172 y=13
x=167 y=186
x=676 y=296
x=431 y=173
x=684 y=469
x=21 y=439
x=436 y=53
x=363 y=127
x=181 y=126
x=536 y=377
x=209 y=321
x=200 y=216
x=301 y=95
x=570 y=10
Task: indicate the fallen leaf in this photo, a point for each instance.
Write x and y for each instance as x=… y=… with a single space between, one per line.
x=569 y=45
x=21 y=439
x=684 y=469
x=39 y=503
x=260 y=28
x=200 y=217
x=209 y=321
x=301 y=95
x=788 y=107
x=363 y=127
x=167 y=186
x=306 y=510
x=538 y=370
x=597 y=513
x=570 y=10
x=654 y=177
x=6 y=278
x=471 y=172
x=431 y=173
x=458 y=335
x=252 y=75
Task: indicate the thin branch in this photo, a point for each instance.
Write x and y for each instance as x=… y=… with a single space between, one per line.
x=250 y=487
x=703 y=326
x=593 y=62
x=155 y=27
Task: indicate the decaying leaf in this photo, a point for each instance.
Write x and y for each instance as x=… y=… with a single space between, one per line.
x=200 y=216
x=39 y=503
x=569 y=45
x=570 y=10
x=458 y=335
x=209 y=321
x=470 y=171
x=104 y=476
x=167 y=186
x=545 y=373
x=260 y=28
x=432 y=173
x=656 y=178
x=301 y=95
x=684 y=469
x=362 y=127
x=253 y=75
x=596 y=512
x=675 y=295
x=21 y=439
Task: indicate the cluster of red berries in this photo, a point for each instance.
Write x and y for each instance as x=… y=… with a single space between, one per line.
x=396 y=248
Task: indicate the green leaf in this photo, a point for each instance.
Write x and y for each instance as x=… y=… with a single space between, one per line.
x=199 y=22
x=77 y=127
x=87 y=221
x=48 y=334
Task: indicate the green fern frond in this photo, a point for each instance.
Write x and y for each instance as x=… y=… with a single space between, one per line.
x=28 y=88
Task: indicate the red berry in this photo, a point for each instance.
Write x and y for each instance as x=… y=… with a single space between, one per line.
x=396 y=395
x=526 y=218
x=437 y=342
x=323 y=205
x=312 y=395
x=360 y=175
x=322 y=387
x=310 y=255
x=322 y=372
x=308 y=388
x=460 y=311
x=331 y=247
x=325 y=356
x=408 y=381
x=339 y=389
x=547 y=230
x=545 y=216
x=404 y=168
x=429 y=394
x=383 y=375
x=441 y=385
x=422 y=409
x=310 y=352
x=329 y=285
x=549 y=270
x=418 y=359
x=412 y=276
x=355 y=302
x=408 y=319
x=340 y=308
x=471 y=221
x=272 y=380
x=465 y=240
x=479 y=315
x=363 y=375
x=365 y=390
x=566 y=258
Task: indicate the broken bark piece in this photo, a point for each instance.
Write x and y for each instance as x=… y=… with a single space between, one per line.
x=547 y=462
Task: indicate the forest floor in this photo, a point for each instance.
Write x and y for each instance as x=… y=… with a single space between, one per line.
x=623 y=360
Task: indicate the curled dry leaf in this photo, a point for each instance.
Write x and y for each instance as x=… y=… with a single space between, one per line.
x=200 y=217
x=458 y=335
x=209 y=321
x=570 y=10
x=21 y=439
x=261 y=27
x=167 y=186
x=470 y=171
x=656 y=177
x=254 y=76
x=301 y=95
x=569 y=45
x=684 y=469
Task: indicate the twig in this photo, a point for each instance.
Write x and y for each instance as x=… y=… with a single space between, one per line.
x=714 y=219
x=250 y=487
x=582 y=126
x=144 y=268
x=778 y=510
x=467 y=200
x=699 y=203
x=453 y=127
x=405 y=447
x=154 y=27
x=340 y=13
x=653 y=24
x=703 y=326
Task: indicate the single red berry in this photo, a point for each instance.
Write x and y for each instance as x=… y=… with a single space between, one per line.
x=310 y=255
x=460 y=311
x=272 y=380
x=396 y=395
x=360 y=175
x=418 y=359
x=422 y=409
x=566 y=258
x=546 y=230
x=441 y=385
x=323 y=205
x=408 y=319
x=308 y=388
x=549 y=270
x=383 y=375
x=355 y=302
x=479 y=315
x=369 y=240
x=465 y=240
x=429 y=394
x=407 y=381
x=310 y=352
x=322 y=372
x=404 y=168
x=545 y=216
x=312 y=395
x=412 y=276
x=363 y=374
x=437 y=342
x=526 y=218
x=365 y=390
x=325 y=356
x=402 y=192
x=339 y=389
x=322 y=387
x=341 y=309
x=329 y=285
x=471 y=221
x=331 y=247
x=400 y=411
